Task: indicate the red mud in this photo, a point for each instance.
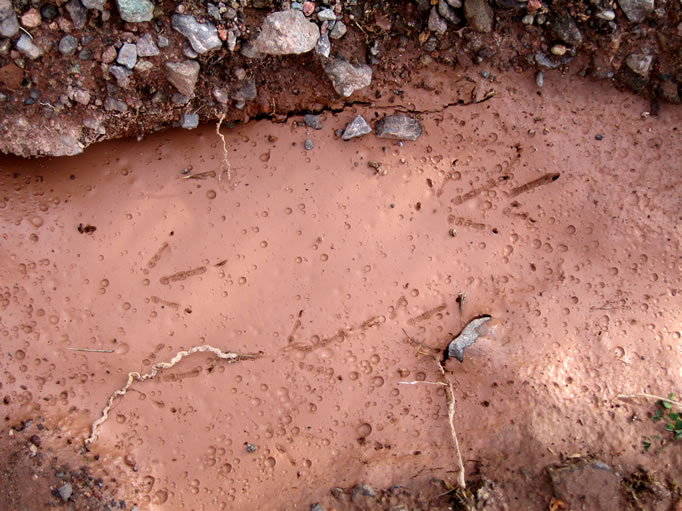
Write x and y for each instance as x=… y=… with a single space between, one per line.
x=320 y=262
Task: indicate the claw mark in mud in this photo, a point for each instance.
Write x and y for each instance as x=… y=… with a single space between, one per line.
x=465 y=222
x=400 y=304
x=546 y=179
x=427 y=315
x=376 y=320
x=155 y=258
x=307 y=348
x=164 y=303
x=492 y=183
x=182 y=275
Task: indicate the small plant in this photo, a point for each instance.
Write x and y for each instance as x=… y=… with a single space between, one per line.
x=671 y=419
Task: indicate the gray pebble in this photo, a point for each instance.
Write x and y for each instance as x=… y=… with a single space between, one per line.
x=163 y=42
x=146 y=46
x=356 y=128
x=111 y=104
x=190 y=121
x=338 y=31
x=313 y=121
x=326 y=15
x=308 y=144
x=65 y=491
x=540 y=78
x=77 y=12
x=85 y=54
x=121 y=74
x=26 y=46
x=127 y=55
x=324 y=46
x=68 y=44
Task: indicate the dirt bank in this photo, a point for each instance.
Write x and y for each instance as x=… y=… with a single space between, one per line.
x=344 y=266
x=76 y=72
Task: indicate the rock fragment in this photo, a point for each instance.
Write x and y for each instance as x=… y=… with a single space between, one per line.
x=190 y=121
x=135 y=11
x=9 y=26
x=469 y=335
x=636 y=10
x=115 y=105
x=127 y=55
x=347 y=78
x=67 y=45
x=448 y=12
x=635 y=72
x=436 y=23
x=98 y=5
x=183 y=75
x=567 y=30
x=286 y=33
x=338 y=31
x=78 y=13
x=399 y=127
x=479 y=15
x=31 y=18
x=324 y=46
x=146 y=46
x=313 y=121
x=26 y=46
x=65 y=491
x=122 y=75
x=202 y=36
x=356 y=128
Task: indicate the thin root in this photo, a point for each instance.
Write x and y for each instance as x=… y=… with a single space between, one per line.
x=135 y=376
x=228 y=167
x=650 y=396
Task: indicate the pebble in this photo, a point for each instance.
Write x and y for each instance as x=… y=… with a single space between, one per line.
x=436 y=23
x=479 y=15
x=566 y=29
x=67 y=45
x=608 y=15
x=188 y=51
x=146 y=46
x=31 y=18
x=326 y=15
x=202 y=36
x=49 y=12
x=127 y=55
x=313 y=121
x=558 y=49
x=135 y=11
x=356 y=128
x=639 y=63
x=85 y=54
x=109 y=54
x=190 y=121
x=9 y=26
x=636 y=10
x=179 y=99
x=65 y=491
x=308 y=144
x=347 y=78
x=324 y=46
x=143 y=66
x=339 y=30
x=457 y=4
x=221 y=96
x=448 y=12
x=121 y=74
x=316 y=507
x=77 y=12
x=214 y=12
x=26 y=46
x=528 y=19
x=98 y=5
x=599 y=137
x=399 y=126
x=287 y=32
x=183 y=75
x=540 y=78
x=163 y=41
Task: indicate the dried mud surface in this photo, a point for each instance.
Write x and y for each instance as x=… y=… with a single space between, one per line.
x=328 y=267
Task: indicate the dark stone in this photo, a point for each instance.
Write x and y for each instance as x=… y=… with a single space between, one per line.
x=49 y=12
x=399 y=126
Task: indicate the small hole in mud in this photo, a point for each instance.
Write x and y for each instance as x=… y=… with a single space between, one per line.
x=495 y=231
x=485 y=403
x=172 y=233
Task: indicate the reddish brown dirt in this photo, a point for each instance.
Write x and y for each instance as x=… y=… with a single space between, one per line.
x=323 y=264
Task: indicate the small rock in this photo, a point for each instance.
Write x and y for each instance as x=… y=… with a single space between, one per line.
x=31 y=18
x=77 y=12
x=146 y=46
x=436 y=23
x=231 y=40
x=316 y=507
x=190 y=121
x=558 y=49
x=67 y=45
x=468 y=336
x=183 y=75
x=163 y=41
x=448 y=12
x=109 y=54
x=479 y=15
x=326 y=15
x=35 y=439
x=26 y=46
x=324 y=46
x=81 y=96
x=214 y=12
x=98 y=5
x=399 y=126
x=528 y=19
x=135 y=11
x=188 y=51
x=540 y=78
x=636 y=10
x=49 y=12
x=143 y=66
x=363 y=490
x=221 y=96
x=65 y=491
x=308 y=144
x=356 y=128
x=308 y=8
x=179 y=99
x=640 y=64
x=127 y=55
x=287 y=32
x=85 y=54
x=122 y=75
x=608 y=15
x=339 y=30
x=9 y=26
x=454 y=3
x=566 y=29
x=247 y=92
x=347 y=78
x=115 y=105
x=313 y=121
x=202 y=36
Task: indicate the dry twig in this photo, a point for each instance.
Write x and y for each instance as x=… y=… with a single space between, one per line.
x=228 y=167
x=135 y=376
x=650 y=396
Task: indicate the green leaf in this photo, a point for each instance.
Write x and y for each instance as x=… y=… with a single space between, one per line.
x=670 y=426
x=678 y=423
x=657 y=416
x=646 y=445
x=674 y=416
x=666 y=404
x=671 y=396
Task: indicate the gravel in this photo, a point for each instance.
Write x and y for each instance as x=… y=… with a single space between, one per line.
x=399 y=127
x=448 y=12
x=339 y=30
x=567 y=30
x=287 y=32
x=183 y=75
x=26 y=46
x=202 y=36
x=479 y=15
x=135 y=11
x=146 y=46
x=65 y=491
x=356 y=128
x=127 y=55
x=436 y=23
x=9 y=26
x=313 y=121
x=636 y=10
x=67 y=45
x=190 y=121
x=93 y=4
x=78 y=13
x=49 y=12
x=324 y=46
x=308 y=144
x=347 y=78
x=122 y=75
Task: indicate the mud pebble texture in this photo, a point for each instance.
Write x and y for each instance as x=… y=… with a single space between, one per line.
x=356 y=128
x=135 y=11
x=479 y=15
x=399 y=127
x=183 y=75
x=286 y=33
x=202 y=36
x=347 y=78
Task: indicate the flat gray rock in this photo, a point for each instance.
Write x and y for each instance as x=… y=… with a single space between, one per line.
x=190 y=121
x=339 y=30
x=636 y=10
x=98 y=5
x=183 y=75
x=287 y=32
x=479 y=15
x=399 y=127
x=436 y=23
x=469 y=335
x=146 y=47
x=135 y=11
x=78 y=13
x=122 y=75
x=202 y=36
x=356 y=128
x=347 y=78
x=567 y=30
x=127 y=55
x=313 y=121
x=65 y=491
x=26 y=46
x=9 y=26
